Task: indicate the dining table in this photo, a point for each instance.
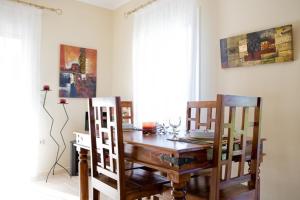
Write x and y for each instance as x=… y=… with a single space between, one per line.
x=177 y=159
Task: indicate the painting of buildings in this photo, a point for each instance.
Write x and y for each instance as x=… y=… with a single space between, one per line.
x=269 y=46
x=78 y=68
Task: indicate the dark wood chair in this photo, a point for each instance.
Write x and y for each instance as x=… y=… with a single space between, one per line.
x=227 y=182
x=127 y=112
x=128 y=119
x=193 y=114
x=107 y=155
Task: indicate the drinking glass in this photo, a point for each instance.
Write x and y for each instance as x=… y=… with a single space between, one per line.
x=162 y=128
x=165 y=127
x=175 y=123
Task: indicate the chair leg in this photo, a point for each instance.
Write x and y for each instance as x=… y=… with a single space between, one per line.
x=207 y=183
x=95 y=194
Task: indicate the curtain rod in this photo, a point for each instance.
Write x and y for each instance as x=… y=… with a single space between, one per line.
x=139 y=8
x=56 y=10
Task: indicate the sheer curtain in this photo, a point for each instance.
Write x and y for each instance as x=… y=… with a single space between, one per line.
x=165 y=59
x=20 y=28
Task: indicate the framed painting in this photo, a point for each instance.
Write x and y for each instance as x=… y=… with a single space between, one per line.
x=78 y=72
x=273 y=45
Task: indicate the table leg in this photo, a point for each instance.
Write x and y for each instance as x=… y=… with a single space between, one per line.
x=179 y=186
x=83 y=174
x=178 y=191
x=258 y=185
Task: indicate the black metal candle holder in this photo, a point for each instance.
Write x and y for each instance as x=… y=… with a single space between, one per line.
x=46 y=89
x=63 y=103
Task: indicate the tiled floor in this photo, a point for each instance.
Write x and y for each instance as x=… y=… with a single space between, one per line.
x=59 y=187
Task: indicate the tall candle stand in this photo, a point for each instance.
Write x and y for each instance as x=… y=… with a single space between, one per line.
x=63 y=102
x=46 y=89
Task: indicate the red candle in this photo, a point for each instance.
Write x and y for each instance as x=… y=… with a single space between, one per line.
x=46 y=87
x=149 y=127
x=63 y=101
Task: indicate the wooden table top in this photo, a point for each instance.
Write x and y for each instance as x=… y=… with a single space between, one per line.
x=137 y=138
x=157 y=141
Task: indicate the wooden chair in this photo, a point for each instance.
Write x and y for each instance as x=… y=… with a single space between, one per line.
x=127 y=119
x=107 y=156
x=232 y=186
x=194 y=121
x=224 y=184
x=127 y=112
x=193 y=114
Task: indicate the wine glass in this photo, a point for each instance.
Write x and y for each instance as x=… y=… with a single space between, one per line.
x=162 y=128
x=165 y=127
x=175 y=123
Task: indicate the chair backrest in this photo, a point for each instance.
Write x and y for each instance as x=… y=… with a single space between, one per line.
x=127 y=112
x=228 y=135
x=194 y=111
x=107 y=148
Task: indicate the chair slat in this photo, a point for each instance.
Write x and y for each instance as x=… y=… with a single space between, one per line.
x=209 y=118
x=243 y=145
x=230 y=142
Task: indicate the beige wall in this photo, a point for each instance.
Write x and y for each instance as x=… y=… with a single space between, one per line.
x=111 y=34
x=80 y=25
x=122 y=51
x=279 y=86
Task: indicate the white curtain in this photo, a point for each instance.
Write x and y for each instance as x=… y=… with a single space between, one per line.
x=20 y=30
x=165 y=59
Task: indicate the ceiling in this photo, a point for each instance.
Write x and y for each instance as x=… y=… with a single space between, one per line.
x=109 y=4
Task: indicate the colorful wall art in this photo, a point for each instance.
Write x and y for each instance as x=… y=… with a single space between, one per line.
x=274 y=45
x=78 y=69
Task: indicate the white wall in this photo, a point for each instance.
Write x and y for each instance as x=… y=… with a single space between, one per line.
x=80 y=25
x=277 y=84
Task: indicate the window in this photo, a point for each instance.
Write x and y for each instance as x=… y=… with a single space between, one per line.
x=19 y=86
x=165 y=59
